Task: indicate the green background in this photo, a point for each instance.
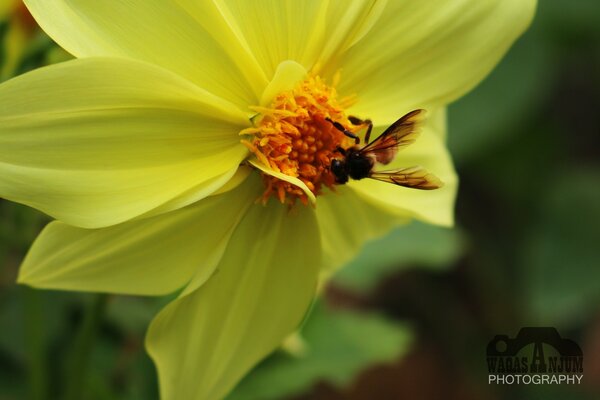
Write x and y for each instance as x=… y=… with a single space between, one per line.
x=412 y=315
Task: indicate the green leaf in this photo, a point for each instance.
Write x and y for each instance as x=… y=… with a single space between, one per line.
x=414 y=244
x=339 y=345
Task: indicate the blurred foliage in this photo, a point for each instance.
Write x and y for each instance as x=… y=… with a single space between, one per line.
x=563 y=279
x=334 y=350
x=416 y=244
x=526 y=143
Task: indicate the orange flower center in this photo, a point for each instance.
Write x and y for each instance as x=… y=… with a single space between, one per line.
x=295 y=137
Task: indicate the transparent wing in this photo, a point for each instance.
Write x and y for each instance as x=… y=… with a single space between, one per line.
x=413 y=177
x=400 y=134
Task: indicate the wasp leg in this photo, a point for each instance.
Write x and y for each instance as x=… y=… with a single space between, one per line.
x=357 y=121
x=341 y=128
x=340 y=150
x=369 y=129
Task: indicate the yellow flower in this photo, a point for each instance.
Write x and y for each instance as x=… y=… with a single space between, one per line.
x=135 y=149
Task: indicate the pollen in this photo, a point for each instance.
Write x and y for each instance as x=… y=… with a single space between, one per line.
x=295 y=136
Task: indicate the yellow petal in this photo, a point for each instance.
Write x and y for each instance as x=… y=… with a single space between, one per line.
x=239 y=177
x=309 y=32
x=151 y=256
x=209 y=187
x=216 y=19
x=346 y=223
x=428 y=53
x=95 y=142
x=353 y=20
x=204 y=342
x=159 y=32
x=433 y=206
x=437 y=120
x=280 y=30
x=287 y=76
x=290 y=179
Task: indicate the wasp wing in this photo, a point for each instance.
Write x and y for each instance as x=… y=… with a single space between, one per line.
x=413 y=177
x=400 y=134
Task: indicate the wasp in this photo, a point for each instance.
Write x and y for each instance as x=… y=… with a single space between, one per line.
x=359 y=162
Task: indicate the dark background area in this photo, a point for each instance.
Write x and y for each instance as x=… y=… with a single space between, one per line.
x=412 y=315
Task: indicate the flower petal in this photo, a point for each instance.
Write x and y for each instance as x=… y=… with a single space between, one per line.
x=290 y=179
x=238 y=178
x=308 y=32
x=353 y=20
x=92 y=143
x=151 y=256
x=286 y=77
x=428 y=53
x=204 y=342
x=433 y=206
x=158 y=32
x=347 y=222
x=437 y=120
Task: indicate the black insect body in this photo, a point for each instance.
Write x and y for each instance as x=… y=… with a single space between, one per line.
x=359 y=162
x=355 y=165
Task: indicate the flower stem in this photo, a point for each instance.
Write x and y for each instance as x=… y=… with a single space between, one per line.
x=82 y=348
x=36 y=346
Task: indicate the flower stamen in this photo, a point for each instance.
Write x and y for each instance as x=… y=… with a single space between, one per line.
x=294 y=136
